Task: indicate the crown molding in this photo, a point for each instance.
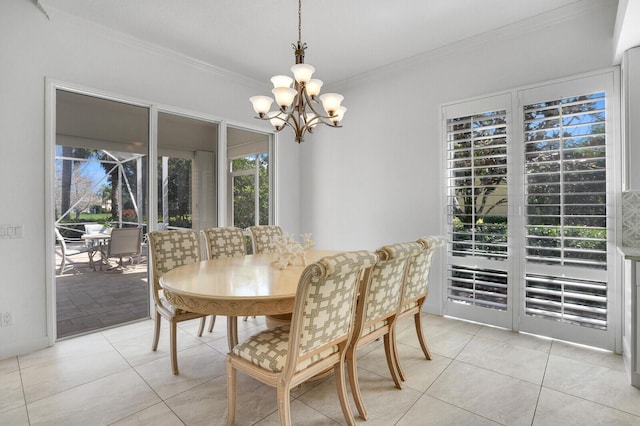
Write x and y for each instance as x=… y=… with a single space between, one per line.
x=64 y=18
x=516 y=29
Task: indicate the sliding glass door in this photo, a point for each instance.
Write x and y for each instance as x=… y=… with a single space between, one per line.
x=187 y=172
x=101 y=168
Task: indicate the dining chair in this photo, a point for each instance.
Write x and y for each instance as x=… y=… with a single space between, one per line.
x=376 y=310
x=262 y=238
x=223 y=243
x=170 y=249
x=125 y=242
x=316 y=340
x=262 y=241
x=415 y=292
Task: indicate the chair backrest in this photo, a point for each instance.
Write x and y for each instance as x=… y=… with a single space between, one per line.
x=225 y=242
x=417 y=282
x=95 y=228
x=125 y=242
x=323 y=312
x=262 y=238
x=170 y=249
x=380 y=293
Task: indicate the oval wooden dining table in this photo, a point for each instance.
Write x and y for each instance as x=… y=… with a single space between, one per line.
x=238 y=286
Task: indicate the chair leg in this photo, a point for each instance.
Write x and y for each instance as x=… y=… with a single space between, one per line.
x=352 y=370
x=203 y=322
x=174 y=347
x=394 y=352
x=284 y=404
x=423 y=344
x=63 y=262
x=231 y=393
x=212 y=322
x=156 y=332
x=342 y=393
x=391 y=355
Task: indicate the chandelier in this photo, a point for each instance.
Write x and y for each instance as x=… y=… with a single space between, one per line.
x=298 y=106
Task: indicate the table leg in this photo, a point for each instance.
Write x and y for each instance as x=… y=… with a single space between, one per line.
x=104 y=259
x=232 y=331
x=91 y=252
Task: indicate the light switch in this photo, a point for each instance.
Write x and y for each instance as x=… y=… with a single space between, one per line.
x=19 y=231
x=9 y=231
x=3 y=231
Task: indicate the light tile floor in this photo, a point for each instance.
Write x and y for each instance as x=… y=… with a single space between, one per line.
x=478 y=376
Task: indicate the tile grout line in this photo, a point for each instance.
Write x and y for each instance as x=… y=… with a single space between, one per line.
x=24 y=396
x=544 y=373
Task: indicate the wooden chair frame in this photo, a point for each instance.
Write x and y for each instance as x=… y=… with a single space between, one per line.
x=411 y=305
x=376 y=312
x=174 y=316
x=214 y=252
x=290 y=376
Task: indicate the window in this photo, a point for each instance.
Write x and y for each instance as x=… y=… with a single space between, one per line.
x=250 y=187
x=174 y=192
x=249 y=180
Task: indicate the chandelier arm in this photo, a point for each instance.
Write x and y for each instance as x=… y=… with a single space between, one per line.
x=310 y=102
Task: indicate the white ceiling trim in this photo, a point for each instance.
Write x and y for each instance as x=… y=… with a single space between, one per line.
x=516 y=29
x=64 y=18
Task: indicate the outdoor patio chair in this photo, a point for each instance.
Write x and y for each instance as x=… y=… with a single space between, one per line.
x=64 y=251
x=125 y=242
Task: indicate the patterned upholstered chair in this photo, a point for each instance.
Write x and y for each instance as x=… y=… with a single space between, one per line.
x=170 y=249
x=416 y=290
x=377 y=308
x=262 y=238
x=314 y=342
x=221 y=243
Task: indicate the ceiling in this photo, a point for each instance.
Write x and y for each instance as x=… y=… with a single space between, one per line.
x=345 y=37
x=97 y=123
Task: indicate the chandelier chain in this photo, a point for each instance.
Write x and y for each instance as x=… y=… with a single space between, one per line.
x=299 y=21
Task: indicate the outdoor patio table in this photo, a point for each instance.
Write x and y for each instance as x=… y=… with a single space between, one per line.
x=239 y=286
x=96 y=242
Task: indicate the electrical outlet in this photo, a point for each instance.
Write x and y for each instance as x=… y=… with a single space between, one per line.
x=7 y=319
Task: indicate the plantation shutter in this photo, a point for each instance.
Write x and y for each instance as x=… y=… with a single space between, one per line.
x=477 y=149
x=566 y=210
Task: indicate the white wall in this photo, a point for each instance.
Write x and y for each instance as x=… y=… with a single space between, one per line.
x=378 y=179
x=33 y=48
